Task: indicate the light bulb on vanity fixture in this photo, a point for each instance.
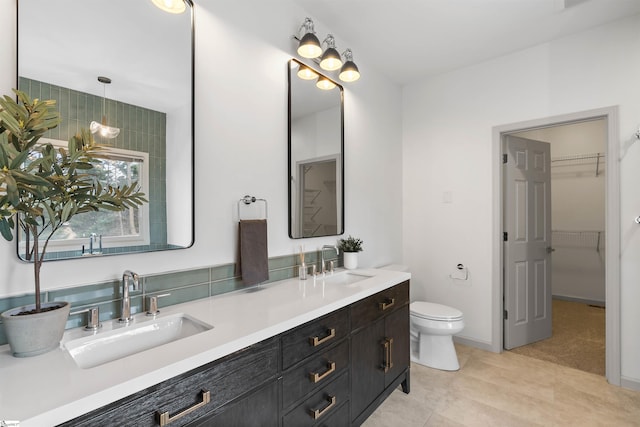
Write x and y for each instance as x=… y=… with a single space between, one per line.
x=349 y=71
x=171 y=6
x=102 y=129
x=330 y=59
x=309 y=46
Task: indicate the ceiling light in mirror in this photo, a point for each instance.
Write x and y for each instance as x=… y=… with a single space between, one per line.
x=171 y=6
x=324 y=83
x=103 y=129
x=306 y=73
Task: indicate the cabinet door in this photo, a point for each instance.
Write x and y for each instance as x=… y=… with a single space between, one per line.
x=368 y=377
x=259 y=409
x=397 y=336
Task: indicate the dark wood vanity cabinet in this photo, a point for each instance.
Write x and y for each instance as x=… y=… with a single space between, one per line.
x=379 y=349
x=333 y=371
x=202 y=392
x=315 y=377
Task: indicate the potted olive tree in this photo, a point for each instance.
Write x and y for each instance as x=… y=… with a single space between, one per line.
x=41 y=188
x=350 y=248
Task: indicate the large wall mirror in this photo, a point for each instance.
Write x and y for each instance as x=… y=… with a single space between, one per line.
x=63 y=47
x=316 y=147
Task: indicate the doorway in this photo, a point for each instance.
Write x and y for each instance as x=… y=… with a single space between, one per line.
x=609 y=236
x=576 y=250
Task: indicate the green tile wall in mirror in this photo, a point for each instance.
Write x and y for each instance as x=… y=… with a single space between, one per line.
x=316 y=147
x=63 y=47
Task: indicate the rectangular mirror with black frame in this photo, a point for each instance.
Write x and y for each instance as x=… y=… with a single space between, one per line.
x=127 y=65
x=316 y=153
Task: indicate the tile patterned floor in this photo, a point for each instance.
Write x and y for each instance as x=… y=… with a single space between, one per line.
x=507 y=389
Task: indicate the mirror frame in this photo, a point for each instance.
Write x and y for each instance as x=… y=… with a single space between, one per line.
x=191 y=138
x=340 y=167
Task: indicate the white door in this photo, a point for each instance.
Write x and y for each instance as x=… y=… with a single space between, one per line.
x=527 y=242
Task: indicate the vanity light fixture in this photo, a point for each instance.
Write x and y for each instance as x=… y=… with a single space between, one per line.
x=330 y=59
x=102 y=129
x=309 y=46
x=324 y=83
x=171 y=6
x=349 y=72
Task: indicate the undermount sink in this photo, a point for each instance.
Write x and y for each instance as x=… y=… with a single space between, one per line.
x=125 y=340
x=346 y=278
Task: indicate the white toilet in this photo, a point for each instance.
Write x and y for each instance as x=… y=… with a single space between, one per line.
x=432 y=329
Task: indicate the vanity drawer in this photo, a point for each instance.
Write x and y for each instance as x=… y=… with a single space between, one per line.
x=314 y=372
x=314 y=336
x=378 y=305
x=224 y=379
x=320 y=406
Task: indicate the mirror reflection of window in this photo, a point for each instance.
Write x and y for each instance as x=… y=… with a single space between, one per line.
x=316 y=157
x=109 y=229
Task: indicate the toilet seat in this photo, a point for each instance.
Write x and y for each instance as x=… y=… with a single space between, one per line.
x=433 y=311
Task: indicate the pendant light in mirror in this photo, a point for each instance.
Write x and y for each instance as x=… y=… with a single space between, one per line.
x=102 y=129
x=170 y=6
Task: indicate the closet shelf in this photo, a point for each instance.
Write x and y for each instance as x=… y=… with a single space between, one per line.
x=578 y=239
x=579 y=159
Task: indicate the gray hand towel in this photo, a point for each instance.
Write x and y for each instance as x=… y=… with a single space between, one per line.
x=254 y=265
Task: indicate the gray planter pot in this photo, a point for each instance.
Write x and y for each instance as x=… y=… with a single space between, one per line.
x=33 y=334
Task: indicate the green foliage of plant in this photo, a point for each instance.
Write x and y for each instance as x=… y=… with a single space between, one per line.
x=41 y=186
x=350 y=244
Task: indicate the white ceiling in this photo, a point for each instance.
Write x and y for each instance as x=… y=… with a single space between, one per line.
x=412 y=39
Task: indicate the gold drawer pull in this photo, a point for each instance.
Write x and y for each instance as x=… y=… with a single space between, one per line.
x=316 y=341
x=389 y=302
x=317 y=413
x=164 y=418
x=316 y=377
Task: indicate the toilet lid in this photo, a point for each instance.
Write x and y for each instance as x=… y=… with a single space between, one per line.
x=433 y=311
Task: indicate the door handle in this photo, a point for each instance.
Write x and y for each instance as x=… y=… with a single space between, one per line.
x=550 y=249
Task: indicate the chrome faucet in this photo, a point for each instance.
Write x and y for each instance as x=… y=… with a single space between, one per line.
x=323 y=265
x=125 y=315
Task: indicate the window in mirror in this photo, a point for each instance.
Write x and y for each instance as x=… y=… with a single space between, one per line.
x=316 y=165
x=95 y=233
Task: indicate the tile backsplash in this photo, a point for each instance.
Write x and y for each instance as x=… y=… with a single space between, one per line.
x=183 y=286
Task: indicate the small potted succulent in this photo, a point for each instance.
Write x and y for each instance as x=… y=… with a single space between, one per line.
x=350 y=248
x=41 y=188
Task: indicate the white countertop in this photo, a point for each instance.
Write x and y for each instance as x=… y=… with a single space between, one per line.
x=50 y=389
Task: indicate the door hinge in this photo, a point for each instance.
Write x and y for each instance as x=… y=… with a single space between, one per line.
x=506 y=314
x=504 y=158
x=505 y=236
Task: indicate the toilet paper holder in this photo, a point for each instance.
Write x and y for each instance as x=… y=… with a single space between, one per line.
x=456 y=275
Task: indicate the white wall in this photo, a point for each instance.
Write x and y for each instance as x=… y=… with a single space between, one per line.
x=447 y=146
x=241 y=147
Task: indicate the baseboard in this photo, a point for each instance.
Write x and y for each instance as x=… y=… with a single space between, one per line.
x=473 y=343
x=629 y=383
x=580 y=300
